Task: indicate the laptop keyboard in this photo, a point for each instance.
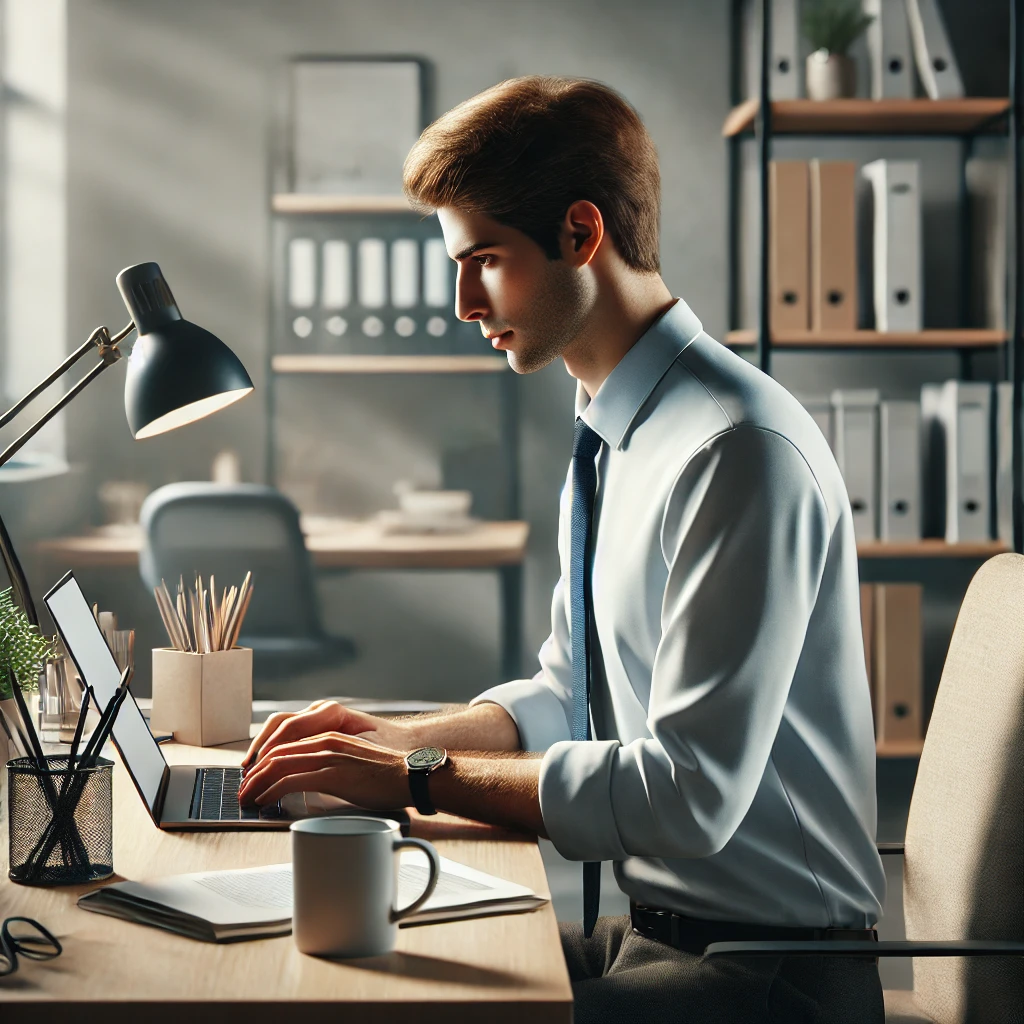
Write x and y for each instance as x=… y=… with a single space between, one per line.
x=215 y=798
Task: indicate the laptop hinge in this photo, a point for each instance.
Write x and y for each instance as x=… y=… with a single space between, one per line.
x=195 y=805
x=161 y=795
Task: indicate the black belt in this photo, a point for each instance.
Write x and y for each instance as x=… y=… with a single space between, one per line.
x=693 y=935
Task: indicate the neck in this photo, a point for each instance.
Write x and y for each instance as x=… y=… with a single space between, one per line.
x=623 y=313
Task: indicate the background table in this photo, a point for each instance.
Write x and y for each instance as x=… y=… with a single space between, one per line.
x=348 y=544
x=497 y=969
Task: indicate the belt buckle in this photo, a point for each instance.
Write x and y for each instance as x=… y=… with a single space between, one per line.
x=662 y=915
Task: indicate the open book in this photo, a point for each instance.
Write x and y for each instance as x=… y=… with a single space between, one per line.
x=249 y=903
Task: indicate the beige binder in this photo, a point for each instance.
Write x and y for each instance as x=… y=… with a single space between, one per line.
x=788 y=261
x=898 y=674
x=833 y=245
x=867 y=625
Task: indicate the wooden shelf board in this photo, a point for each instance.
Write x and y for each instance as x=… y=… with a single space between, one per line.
x=927 y=339
x=932 y=547
x=899 y=748
x=303 y=202
x=300 y=363
x=870 y=117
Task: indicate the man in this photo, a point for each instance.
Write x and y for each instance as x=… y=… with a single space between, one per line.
x=708 y=604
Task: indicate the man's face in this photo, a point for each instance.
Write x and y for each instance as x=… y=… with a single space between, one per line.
x=530 y=307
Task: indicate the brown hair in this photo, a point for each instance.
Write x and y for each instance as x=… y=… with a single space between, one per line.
x=523 y=151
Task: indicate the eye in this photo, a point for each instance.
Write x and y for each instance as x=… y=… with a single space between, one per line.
x=484 y=260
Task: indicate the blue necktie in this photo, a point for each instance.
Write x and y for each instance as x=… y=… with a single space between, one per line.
x=585 y=446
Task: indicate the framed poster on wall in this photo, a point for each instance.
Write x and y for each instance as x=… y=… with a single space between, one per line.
x=353 y=120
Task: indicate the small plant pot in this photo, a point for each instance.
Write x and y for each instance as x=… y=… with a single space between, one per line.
x=203 y=699
x=830 y=76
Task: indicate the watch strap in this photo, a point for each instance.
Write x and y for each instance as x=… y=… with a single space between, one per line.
x=421 y=792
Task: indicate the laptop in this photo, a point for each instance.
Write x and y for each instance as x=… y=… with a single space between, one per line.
x=178 y=797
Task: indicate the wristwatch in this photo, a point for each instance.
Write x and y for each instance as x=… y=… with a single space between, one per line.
x=420 y=763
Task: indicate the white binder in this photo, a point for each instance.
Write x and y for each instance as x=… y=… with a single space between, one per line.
x=933 y=462
x=898 y=276
x=988 y=195
x=820 y=409
x=888 y=39
x=784 y=80
x=966 y=412
x=1004 y=463
x=785 y=76
x=855 y=436
x=899 y=459
x=936 y=64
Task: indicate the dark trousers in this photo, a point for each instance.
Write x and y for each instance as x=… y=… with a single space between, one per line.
x=620 y=977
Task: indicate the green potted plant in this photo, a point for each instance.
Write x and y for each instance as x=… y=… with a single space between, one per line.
x=831 y=26
x=23 y=650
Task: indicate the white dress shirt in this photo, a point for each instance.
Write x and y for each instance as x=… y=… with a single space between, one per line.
x=732 y=773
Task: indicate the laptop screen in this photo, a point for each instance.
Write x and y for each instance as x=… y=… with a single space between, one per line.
x=84 y=641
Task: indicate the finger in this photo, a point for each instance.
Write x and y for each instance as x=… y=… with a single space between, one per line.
x=325 y=780
x=330 y=743
x=272 y=722
x=258 y=784
x=293 y=726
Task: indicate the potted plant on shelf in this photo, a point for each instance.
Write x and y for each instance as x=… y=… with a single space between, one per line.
x=831 y=26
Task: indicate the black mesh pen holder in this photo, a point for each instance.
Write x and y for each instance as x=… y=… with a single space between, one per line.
x=59 y=821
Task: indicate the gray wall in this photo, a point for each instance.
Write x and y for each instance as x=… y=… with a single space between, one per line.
x=169 y=109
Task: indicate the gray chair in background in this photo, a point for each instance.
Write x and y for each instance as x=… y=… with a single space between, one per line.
x=228 y=530
x=963 y=867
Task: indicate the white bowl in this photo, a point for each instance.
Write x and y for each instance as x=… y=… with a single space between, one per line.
x=434 y=504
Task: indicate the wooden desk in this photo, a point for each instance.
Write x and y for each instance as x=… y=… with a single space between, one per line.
x=492 y=970
x=357 y=544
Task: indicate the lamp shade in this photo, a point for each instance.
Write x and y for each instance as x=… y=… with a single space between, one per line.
x=177 y=372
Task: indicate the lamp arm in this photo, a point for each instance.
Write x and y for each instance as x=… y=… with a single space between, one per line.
x=100 y=339
x=110 y=354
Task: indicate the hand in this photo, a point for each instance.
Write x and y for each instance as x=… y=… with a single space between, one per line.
x=353 y=769
x=324 y=716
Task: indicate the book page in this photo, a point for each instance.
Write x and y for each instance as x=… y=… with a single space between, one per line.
x=255 y=896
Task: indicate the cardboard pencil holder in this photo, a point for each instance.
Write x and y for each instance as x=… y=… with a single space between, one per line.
x=203 y=699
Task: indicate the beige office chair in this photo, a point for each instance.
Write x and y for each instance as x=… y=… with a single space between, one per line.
x=963 y=871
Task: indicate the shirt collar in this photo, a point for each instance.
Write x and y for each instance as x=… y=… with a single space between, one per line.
x=625 y=390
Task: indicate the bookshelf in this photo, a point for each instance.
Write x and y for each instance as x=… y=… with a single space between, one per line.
x=758 y=119
x=361 y=296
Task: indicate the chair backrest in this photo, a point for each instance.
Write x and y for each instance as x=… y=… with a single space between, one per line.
x=228 y=530
x=964 y=866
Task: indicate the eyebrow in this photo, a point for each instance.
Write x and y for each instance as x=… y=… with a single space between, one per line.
x=470 y=249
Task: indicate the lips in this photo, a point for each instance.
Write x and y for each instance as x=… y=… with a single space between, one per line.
x=500 y=340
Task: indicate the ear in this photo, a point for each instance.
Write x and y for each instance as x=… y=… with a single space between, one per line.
x=581 y=233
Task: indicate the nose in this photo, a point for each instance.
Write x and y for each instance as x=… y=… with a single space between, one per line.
x=470 y=296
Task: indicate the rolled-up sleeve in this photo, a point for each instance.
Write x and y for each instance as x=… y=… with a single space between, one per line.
x=744 y=536
x=541 y=707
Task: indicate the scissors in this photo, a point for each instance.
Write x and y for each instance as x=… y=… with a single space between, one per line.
x=27 y=937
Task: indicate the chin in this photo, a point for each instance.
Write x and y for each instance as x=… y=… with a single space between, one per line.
x=529 y=361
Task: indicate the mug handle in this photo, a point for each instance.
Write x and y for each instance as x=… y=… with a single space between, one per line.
x=435 y=874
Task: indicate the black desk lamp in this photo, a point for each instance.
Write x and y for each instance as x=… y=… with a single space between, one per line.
x=177 y=373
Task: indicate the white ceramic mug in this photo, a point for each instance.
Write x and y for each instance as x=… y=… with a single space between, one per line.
x=345 y=877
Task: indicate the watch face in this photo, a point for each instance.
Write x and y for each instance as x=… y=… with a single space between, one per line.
x=426 y=757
